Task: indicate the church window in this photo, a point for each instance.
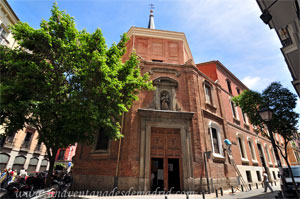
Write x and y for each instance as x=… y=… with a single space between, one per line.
x=229 y=86
x=208 y=96
x=245 y=118
x=238 y=90
x=102 y=140
x=233 y=108
x=242 y=147
x=251 y=150
x=216 y=142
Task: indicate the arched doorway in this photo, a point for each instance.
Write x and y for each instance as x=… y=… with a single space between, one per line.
x=3 y=160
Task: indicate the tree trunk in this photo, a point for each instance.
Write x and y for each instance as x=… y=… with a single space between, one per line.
x=51 y=166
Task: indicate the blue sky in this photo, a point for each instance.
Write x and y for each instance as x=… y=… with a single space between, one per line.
x=226 y=30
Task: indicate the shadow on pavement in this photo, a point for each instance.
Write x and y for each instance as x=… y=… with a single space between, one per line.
x=264 y=195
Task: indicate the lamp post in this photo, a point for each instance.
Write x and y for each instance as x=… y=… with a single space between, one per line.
x=266 y=116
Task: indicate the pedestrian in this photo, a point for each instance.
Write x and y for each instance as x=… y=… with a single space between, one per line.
x=23 y=173
x=10 y=177
x=3 y=176
x=266 y=182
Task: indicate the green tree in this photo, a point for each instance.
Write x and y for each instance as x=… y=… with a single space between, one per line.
x=284 y=120
x=66 y=83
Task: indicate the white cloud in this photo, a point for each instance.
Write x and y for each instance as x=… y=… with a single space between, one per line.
x=256 y=83
x=223 y=20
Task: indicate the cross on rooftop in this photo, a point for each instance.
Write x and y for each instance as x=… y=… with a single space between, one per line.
x=151 y=6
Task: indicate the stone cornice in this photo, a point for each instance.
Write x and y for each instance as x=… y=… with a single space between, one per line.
x=165 y=114
x=211 y=115
x=191 y=66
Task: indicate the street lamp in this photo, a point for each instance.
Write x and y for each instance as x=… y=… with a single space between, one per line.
x=266 y=115
x=266 y=16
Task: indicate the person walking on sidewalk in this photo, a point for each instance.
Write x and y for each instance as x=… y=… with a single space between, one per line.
x=266 y=182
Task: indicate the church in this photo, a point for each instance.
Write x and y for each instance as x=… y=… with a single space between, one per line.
x=174 y=135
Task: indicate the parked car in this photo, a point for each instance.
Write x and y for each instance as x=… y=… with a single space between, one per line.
x=289 y=190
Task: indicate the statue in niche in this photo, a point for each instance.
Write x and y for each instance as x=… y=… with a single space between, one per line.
x=165 y=101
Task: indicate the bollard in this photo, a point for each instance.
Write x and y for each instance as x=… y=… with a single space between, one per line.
x=250 y=187
x=221 y=190
x=242 y=188
x=216 y=193
x=203 y=195
x=256 y=185
x=232 y=189
x=187 y=195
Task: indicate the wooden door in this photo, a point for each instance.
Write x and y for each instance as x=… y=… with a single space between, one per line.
x=166 y=144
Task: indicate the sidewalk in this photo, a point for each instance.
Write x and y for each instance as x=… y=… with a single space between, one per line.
x=253 y=194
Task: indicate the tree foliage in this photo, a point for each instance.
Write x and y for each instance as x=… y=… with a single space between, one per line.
x=66 y=83
x=282 y=103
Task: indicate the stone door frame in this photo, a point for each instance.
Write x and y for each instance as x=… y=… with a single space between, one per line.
x=165 y=119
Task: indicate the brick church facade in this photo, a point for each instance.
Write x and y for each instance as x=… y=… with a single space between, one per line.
x=174 y=135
